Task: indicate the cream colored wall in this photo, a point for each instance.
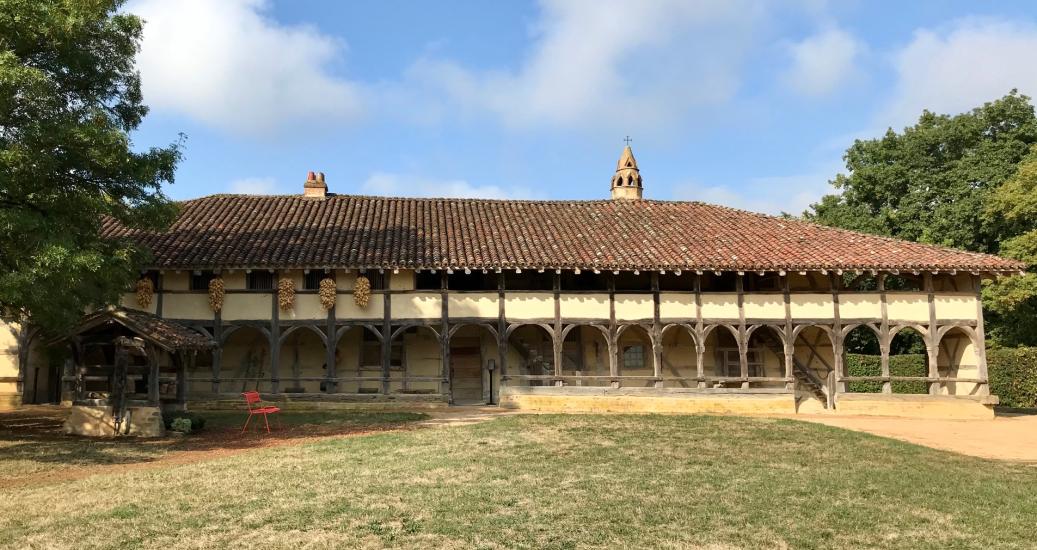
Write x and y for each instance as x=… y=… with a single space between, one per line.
x=129 y=301
x=172 y=280
x=346 y=308
x=955 y=307
x=424 y=305
x=860 y=305
x=632 y=336
x=676 y=306
x=719 y=306
x=482 y=305
x=241 y=307
x=531 y=305
x=634 y=307
x=187 y=306
x=232 y=280
x=245 y=345
x=764 y=306
x=679 y=356
x=812 y=306
x=584 y=306
x=347 y=358
x=908 y=306
x=9 y=396
x=302 y=355
x=404 y=280
x=422 y=357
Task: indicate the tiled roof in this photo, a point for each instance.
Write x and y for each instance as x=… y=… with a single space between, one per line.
x=343 y=231
x=167 y=334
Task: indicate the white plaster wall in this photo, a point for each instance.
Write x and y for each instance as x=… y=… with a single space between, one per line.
x=908 y=306
x=860 y=305
x=633 y=307
x=676 y=306
x=425 y=305
x=812 y=306
x=955 y=306
x=189 y=306
x=533 y=305
x=585 y=306
x=482 y=305
x=719 y=306
x=764 y=306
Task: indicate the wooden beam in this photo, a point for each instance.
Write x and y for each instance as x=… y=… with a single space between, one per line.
x=790 y=343
x=387 y=337
x=884 y=338
x=657 y=335
x=613 y=342
x=700 y=337
x=981 y=348
x=743 y=338
x=446 y=386
x=275 y=340
x=556 y=338
x=932 y=347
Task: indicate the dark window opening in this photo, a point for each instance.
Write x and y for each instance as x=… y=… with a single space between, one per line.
x=586 y=280
x=904 y=282
x=200 y=280
x=371 y=352
x=426 y=280
x=476 y=280
x=311 y=280
x=725 y=282
x=529 y=280
x=259 y=280
x=674 y=282
x=627 y=281
x=766 y=282
x=378 y=280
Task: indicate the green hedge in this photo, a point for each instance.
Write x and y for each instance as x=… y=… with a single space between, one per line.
x=899 y=365
x=1013 y=376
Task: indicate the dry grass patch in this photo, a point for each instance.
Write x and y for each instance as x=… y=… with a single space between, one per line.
x=551 y=482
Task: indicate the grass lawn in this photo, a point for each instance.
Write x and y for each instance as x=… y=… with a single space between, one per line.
x=550 y=482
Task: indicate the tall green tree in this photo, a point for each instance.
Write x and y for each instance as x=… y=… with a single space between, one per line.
x=936 y=182
x=69 y=98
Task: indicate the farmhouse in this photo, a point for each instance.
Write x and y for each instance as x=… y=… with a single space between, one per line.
x=622 y=304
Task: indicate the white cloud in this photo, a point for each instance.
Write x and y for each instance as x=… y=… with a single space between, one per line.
x=228 y=65
x=405 y=185
x=252 y=186
x=609 y=62
x=822 y=62
x=768 y=194
x=961 y=66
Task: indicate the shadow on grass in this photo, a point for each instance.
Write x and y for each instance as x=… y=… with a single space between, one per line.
x=33 y=440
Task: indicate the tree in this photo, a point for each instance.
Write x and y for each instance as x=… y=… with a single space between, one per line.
x=936 y=182
x=69 y=98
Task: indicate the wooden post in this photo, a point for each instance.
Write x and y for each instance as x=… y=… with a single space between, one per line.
x=613 y=342
x=556 y=283
x=387 y=336
x=743 y=339
x=657 y=336
x=884 y=338
x=181 y=375
x=158 y=293
x=790 y=341
x=331 y=370
x=502 y=329
x=932 y=341
x=835 y=281
x=444 y=330
x=700 y=345
x=153 y=373
x=275 y=340
x=217 y=353
x=981 y=348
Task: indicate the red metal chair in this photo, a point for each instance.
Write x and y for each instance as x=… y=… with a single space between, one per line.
x=252 y=398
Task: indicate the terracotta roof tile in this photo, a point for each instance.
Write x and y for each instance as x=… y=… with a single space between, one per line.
x=344 y=231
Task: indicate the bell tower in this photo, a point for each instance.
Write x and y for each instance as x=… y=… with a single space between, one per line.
x=626 y=184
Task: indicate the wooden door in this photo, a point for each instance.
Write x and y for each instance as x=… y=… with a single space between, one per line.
x=466 y=372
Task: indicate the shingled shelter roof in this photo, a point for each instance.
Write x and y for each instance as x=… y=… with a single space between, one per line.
x=165 y=334
x=344 y=231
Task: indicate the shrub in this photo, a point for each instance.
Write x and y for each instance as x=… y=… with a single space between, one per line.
x=899 y=365
x=182 y=425
x=197 y=422
x=1013 y=376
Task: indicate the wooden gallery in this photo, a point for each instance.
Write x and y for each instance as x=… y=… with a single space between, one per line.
x=608 y=305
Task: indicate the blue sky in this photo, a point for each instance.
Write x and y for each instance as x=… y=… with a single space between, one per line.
x=738 y=102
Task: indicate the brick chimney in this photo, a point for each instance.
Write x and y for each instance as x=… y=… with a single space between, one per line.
x=315 y=186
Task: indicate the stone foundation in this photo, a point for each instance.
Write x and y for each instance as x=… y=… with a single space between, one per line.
x=609 y=400
x=97 y=421
x=10 y=401
x=941 y=407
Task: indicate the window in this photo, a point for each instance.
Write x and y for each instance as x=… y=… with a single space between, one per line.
x=426 y=280
x=378 y=280
x=311 y=280
x=200 y=280
x=634 y=357
x=529 y=280
x=673 y=282
x=627 y=281
x=766 y=282
x=259 y=280
x=725 y=282
x=586 y=280
x=730 y=365
x=476 y=280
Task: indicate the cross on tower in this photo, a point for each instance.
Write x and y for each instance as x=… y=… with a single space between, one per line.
x=628 y=140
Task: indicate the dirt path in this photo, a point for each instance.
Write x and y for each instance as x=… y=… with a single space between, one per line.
x=1009 y=437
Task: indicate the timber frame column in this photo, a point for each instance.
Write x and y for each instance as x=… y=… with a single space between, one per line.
x=884 y=338
x=932 y=339
x=502 y=331
x=790 y=342
x=386 y=335
x=556 y=338
x=700 y=338
x=981 y=349
x=444 y=335
x=217 y=352
x=657 y=336
x=613 y=342
x=275 y=339
x=836 y=282
x=743 y=340
x=330 y=347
